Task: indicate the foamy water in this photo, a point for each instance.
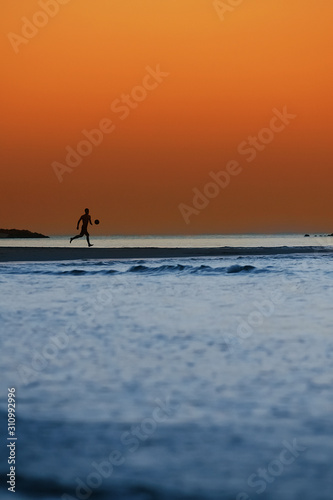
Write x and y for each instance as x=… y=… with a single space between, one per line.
x=188 y=375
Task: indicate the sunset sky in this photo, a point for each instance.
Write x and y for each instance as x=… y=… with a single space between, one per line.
x=225 y=75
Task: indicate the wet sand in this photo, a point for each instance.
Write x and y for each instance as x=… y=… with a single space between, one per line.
x=40 y=254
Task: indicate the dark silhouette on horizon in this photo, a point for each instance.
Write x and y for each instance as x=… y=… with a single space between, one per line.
x=85 y=219
x=20 y=233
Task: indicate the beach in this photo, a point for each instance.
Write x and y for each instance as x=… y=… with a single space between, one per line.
x=40 y=254
x=177 y=370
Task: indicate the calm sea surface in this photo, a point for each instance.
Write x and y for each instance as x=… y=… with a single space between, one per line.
x=196 y=379
x=238 y=240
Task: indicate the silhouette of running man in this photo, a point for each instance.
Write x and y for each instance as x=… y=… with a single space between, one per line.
x=86 y=219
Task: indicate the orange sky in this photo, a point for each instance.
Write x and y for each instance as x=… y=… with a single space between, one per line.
x=225 y=78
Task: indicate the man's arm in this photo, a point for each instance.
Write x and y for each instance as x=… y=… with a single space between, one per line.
x=90 y=220
x=78 y=222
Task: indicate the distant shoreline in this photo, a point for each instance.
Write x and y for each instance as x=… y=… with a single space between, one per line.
x=37 y=254
x=19 y=233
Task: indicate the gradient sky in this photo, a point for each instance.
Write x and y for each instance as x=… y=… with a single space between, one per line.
x=225 y=78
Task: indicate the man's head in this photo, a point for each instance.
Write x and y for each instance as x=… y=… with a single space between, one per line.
x=86 y=210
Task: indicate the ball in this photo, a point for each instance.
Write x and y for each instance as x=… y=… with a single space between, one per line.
x=97 y=222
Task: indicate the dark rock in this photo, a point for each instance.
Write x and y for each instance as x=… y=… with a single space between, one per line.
x=20 y=233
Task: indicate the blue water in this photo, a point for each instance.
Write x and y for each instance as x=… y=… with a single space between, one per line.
x=170 y=379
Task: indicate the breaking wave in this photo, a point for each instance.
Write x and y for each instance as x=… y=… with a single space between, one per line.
x=141 y=269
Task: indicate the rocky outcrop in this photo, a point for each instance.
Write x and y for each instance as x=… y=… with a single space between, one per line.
x=20 y=233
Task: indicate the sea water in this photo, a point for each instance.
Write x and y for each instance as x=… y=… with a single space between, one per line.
x=168 y=379
x=208 y=240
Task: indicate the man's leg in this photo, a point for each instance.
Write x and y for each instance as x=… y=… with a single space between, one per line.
x=88 y=241
x=75 y=237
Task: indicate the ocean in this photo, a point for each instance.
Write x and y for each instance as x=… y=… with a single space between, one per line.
x=209 y=240
x=187 y=378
